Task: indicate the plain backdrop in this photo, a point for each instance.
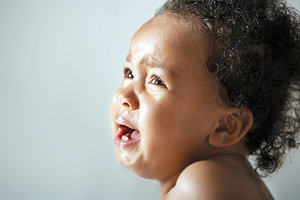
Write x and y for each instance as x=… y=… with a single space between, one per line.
x=60 y=63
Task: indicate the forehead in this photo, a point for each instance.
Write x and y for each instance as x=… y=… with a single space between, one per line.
x=171 y=39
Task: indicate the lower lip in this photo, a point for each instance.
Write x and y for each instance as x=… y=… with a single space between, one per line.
x=125 y=143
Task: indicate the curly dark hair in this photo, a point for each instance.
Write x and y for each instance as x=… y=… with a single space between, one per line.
x=256 y=51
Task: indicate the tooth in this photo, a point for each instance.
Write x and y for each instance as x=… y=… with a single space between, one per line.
x=125 y=138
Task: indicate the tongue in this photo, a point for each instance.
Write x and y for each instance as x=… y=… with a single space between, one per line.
x=135 y=135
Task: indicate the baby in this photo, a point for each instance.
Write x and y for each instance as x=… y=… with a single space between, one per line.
x=208 y=83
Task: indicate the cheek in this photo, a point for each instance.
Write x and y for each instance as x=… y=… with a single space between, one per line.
x=161 y=128
x=166 y=126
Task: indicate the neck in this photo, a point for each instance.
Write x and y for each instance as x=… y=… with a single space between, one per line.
x=166 y=185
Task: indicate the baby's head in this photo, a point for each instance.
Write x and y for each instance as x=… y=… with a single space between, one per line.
x=209 y=77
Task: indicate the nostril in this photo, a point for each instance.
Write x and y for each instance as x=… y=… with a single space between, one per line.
x=128 y=99
x=125 y=104
x=130 y=103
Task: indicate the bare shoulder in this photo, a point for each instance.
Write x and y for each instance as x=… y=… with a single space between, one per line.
x=213 y=179
x=202 y=180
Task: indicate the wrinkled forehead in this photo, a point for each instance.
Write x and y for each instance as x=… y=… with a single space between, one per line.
x=169 y=33
x=171 y=27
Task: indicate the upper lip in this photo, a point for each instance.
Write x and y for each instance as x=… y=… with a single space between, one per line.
x=122 y=121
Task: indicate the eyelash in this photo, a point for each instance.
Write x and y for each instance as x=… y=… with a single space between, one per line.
x=127 y=73
x=154 y=79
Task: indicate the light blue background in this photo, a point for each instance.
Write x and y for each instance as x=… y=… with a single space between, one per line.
x=60 y=63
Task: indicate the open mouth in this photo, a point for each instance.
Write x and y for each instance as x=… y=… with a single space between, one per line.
x=127 y=136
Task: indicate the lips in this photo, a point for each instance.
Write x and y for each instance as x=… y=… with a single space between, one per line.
x=127 y=135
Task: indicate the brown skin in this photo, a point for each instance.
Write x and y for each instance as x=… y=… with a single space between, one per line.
x=191 y=142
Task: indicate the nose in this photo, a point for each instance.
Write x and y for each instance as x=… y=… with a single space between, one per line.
x=127 y=97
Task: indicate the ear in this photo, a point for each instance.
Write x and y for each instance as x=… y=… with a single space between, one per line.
x=231 y=128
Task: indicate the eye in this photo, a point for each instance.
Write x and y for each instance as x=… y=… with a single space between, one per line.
x=128 y=73
x=157 y=81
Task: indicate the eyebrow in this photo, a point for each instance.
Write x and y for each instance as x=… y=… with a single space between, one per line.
x=152 y=63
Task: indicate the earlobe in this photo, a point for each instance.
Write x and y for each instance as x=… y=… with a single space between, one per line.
x=231 y=128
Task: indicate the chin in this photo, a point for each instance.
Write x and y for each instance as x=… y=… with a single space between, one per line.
x=129 y=159
x=135 y=163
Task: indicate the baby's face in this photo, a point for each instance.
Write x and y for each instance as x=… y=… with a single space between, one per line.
x=166 y=106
